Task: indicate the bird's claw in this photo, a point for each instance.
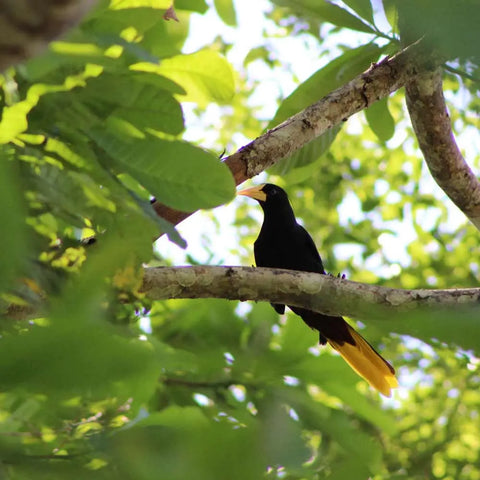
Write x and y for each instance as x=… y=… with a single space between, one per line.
x=339 y=275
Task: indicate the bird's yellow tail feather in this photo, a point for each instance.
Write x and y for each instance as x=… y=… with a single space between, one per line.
x=367 y=363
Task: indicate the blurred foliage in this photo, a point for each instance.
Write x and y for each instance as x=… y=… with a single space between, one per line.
x=106 y=384
x=448 y=26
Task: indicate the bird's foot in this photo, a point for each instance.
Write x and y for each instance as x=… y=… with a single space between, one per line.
x=339 y=275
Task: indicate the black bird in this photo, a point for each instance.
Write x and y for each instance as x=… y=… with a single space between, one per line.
x=284 y=243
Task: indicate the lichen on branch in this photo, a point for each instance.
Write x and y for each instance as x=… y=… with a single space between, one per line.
x=321 y=293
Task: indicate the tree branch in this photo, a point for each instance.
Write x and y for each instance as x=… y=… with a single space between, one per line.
x=27 y=26
x=379 y=81
x=321 y=293
x=431 y=123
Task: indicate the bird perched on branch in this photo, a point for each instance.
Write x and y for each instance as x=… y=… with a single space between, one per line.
x=284 y=243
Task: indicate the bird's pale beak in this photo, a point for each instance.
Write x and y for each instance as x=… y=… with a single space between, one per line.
x=254 y=192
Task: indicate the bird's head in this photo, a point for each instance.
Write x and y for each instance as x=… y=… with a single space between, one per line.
x=266 y=194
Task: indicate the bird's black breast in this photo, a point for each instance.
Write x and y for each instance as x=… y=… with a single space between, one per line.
x=291 y=248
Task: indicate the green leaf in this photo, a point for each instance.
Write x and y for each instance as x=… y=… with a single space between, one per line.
x=199 y=6
x=327 y=11
x=176 y=173
x=335 y=377
x=158 y=81
x=113 y=21
x=14 y=117
x=155 y=109
x=463 y=332
x=13 y=240
x=53 y=145
x=155 y=38
x=120 y=4
x=323 y=81
x=380 y=120
x=77 y=352
x=338 y=16
x=226 y=11
x=143 y=199
x=295 y=339
x=191 y=5
x=308 y=154
x=258 y=53
x=166 y=39
x=142 y=452
x=283 y=443
x=75 y=358
x=206 y=76
x=349 y=469
x=63 y=55
x=391 y=13
x=141 y=104
x=356 y=443
x=176 y=417
x=66 y=195
x=362 y=7
x=53 y=470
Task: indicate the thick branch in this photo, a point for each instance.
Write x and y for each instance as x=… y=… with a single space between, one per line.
x=379 y=81
x=27 y=26
x=321 y=293
x=431 y=123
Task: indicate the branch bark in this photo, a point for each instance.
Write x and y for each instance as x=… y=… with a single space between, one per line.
x=431 y=122
x=27 y=26
x=321 y=293
x=379 y=81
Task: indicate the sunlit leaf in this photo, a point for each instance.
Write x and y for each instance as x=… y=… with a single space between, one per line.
x=120 y=4
x=205 y=76
x=14 y=117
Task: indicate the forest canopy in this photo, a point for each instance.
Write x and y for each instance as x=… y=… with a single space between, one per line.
x=125 y=127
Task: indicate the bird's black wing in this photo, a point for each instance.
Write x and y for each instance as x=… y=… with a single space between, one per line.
x=312 y=260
